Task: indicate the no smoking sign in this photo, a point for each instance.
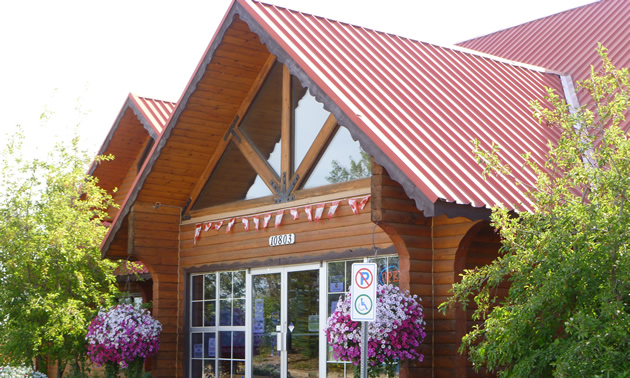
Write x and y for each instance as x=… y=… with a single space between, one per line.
x=363 y=292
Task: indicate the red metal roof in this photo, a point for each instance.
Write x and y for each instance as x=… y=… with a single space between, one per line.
x=566 y=41
x=155 y=112
x=421 y=104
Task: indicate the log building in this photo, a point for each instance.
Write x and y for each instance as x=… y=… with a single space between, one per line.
x=302 y=145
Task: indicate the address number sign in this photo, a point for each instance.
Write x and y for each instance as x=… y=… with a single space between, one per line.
x=277 y=240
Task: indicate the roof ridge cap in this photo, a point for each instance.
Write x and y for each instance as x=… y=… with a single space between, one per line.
x=516 y=63
x=592 y=2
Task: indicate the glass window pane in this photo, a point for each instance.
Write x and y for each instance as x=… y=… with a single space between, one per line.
x=197 y=314
x=238 y=346
x=225 y=369
x=238 y=285
x=196 y=368
x=197 y=288
x=308 y=118
x=394 y=270
x=210 y=314
x=230 y=181
x=343 y=160
x=208 y=369
x=210 y=288
x=196 y=345
x=238 y=368
x=261 y=124
x=336 y=278
x=225 y=344
x=225 y=288
x=238 y=312
x=210 y=339
x=333 y=299
x=225 y=316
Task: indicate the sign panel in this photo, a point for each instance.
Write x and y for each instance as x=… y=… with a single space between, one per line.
x=277 y=240
x=363 y=292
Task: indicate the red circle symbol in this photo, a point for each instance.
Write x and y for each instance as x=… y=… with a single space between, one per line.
x=364 y=278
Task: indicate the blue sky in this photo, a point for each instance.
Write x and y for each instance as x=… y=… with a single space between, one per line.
x=79 y=59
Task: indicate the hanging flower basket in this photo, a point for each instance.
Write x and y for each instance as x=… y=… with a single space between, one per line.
x=394 y=336
x=122 y=336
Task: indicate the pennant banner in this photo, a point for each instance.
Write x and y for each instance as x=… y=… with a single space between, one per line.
x=217 y=226
x=198 y=227
x=319 y=210
x=229 y=225
x=333 y=208
x=295 y=214
x=245 y=223
x=279 y=215
x=266 y=219
x=356 y=204
x=364 y=201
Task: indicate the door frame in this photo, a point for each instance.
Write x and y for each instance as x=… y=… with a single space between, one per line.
x=284 y=270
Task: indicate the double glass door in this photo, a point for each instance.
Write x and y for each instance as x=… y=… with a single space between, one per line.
x=284 y=336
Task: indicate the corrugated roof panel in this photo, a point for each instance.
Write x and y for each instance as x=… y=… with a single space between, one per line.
x=421 y=103
x=566 y=41
x=156 y=112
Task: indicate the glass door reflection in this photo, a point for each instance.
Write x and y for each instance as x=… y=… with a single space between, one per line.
x=303 y=323
x=266 y=303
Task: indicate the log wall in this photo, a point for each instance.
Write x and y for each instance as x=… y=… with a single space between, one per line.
x=427 y=250
x=154 y=240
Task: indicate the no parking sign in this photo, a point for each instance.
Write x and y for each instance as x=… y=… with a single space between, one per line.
x=363 y=292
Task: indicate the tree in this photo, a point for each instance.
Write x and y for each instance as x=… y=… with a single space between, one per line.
x=358 y=169
x=52 y=277
x=567 y=310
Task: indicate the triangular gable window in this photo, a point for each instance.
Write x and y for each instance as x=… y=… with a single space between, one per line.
x=343 y=160
x=232 y=180
x=286 y=141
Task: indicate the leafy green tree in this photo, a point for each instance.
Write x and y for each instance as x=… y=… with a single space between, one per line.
x=567 y=311
x=52 y=278
x=358 y=169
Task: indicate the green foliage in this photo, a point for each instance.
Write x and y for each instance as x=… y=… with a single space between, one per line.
x=358 y=169
x=567 y=312
x=52 y=278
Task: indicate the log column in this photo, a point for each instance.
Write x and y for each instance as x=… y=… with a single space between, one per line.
x=154 y=240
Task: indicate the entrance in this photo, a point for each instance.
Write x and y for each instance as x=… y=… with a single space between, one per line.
x=284 y=336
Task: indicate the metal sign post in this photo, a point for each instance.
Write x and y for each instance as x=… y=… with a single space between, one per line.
x=363 y=309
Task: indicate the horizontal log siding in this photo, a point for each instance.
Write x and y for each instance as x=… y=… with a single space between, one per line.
x=154 y=240
x=427 y=249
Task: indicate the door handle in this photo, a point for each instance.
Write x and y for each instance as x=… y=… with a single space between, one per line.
x=279 y=338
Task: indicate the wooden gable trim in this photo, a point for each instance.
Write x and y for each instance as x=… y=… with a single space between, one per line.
x=423 y=203
x=129 y=104
x=163 y=138
x=251 y=95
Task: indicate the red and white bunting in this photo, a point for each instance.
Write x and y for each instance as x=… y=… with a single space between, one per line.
x=364 y=201
x=319 y=210
x=266 y=219
x=198 y=228
x=229 y=225
x=279 y=215
x=245 y=223
x=295 y=214
x=356 y=204
x=353 y=205
x=217 y=225
x=333 y=208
